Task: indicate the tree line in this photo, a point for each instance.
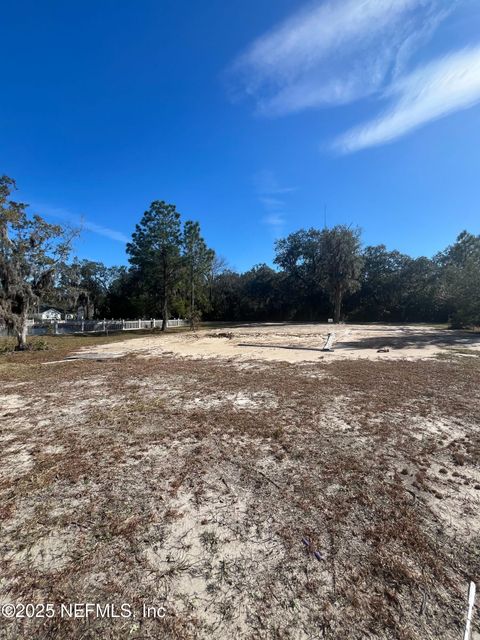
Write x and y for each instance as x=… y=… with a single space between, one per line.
x=319 y=273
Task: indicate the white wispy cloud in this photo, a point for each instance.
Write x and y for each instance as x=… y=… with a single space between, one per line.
x=275 y=220
x=81 y=222
x=334 y=52
x=118 y=236
x=273 y=198
x=266 y=183
x=433 y=91
x=271 y=203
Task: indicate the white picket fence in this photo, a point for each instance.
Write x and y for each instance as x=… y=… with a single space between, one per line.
x=129 y=325
x=60 y=327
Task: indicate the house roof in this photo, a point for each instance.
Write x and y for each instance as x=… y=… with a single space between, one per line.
x=44 y=308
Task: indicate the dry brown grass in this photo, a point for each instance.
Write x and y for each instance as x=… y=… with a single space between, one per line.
x=208 y=487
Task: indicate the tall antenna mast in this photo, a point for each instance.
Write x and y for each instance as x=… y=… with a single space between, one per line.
x=324 y=216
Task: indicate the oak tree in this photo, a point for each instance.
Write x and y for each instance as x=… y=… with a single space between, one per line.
x=30 y=251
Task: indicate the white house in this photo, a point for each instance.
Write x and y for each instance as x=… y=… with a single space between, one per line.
x=48 y=315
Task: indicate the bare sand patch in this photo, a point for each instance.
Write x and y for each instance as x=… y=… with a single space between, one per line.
x=209 y=557
x=238 y=400
x=300 y=343
x=12 y=401
x=49 y=553
x=15 y=462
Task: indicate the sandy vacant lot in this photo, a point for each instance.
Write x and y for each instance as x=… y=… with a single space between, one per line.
x=302 y=343
x=250 y=498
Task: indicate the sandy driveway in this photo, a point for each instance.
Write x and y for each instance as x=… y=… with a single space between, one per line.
x=301 y=343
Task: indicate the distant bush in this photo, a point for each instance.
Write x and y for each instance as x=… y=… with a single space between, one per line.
x=6 y=348
x=38 y=345
x=33 y=345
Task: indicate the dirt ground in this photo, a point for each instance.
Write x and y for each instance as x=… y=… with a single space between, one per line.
x=247 y=496
x=303 y=343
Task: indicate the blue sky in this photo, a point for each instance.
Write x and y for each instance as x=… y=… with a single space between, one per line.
x=251 y=117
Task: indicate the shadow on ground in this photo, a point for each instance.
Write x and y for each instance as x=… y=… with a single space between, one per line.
x=408 y=338
x=413 y=338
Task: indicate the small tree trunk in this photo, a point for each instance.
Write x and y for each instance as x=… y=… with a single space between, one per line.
x=337 y=305
x=165 y=313
x=165 y=294
x=22 y=333
x=192 y=304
